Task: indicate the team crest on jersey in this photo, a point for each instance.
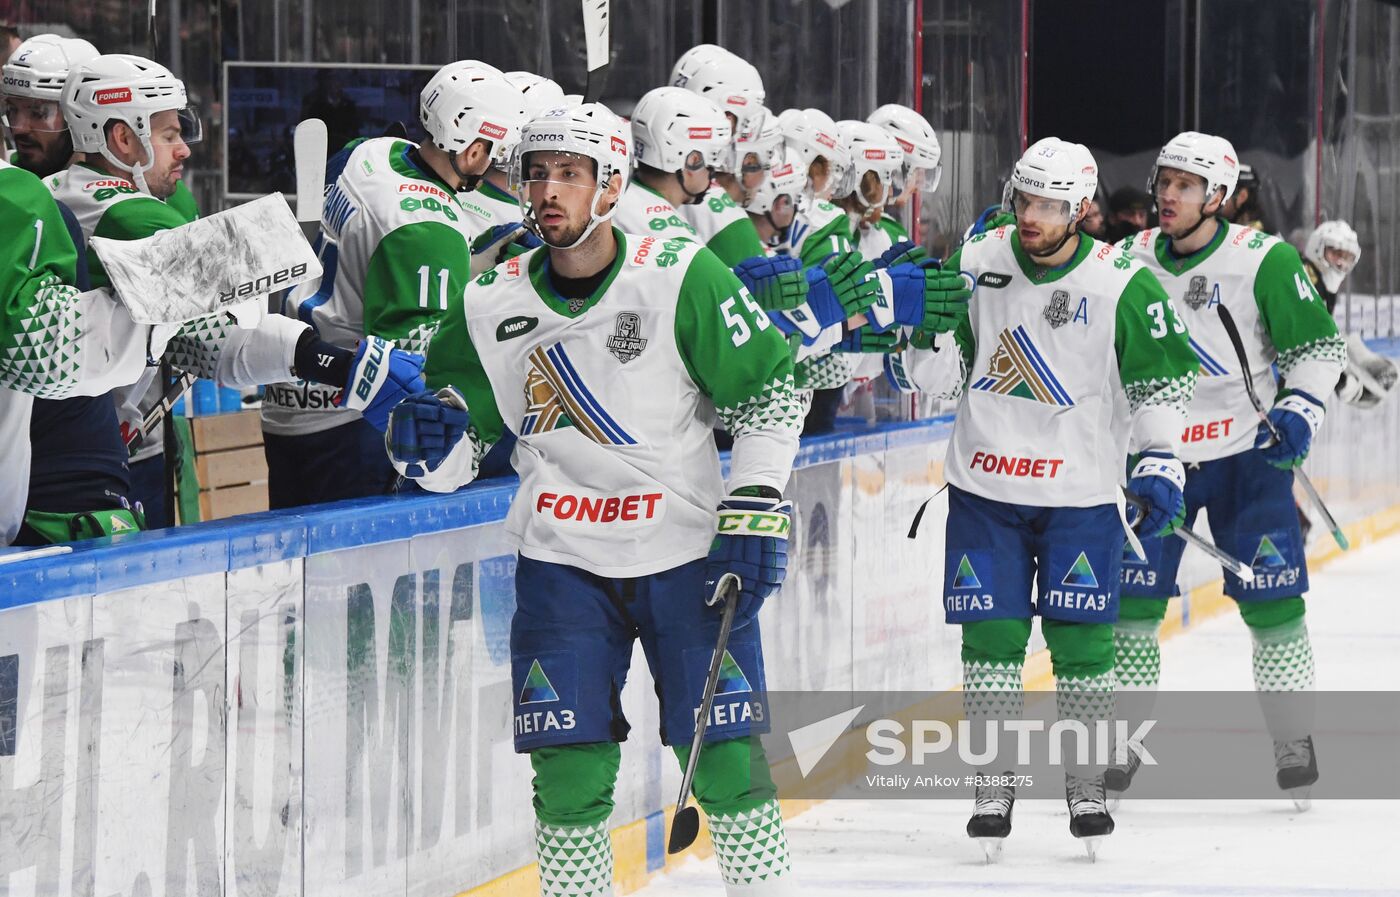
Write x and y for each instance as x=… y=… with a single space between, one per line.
x=1196 y=294
x=537 y=689
x=1057 y=312
x=1018 y=369
x=627 y=342
x=557 y=397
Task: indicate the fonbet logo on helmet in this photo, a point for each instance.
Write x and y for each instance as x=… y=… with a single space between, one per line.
x=874 y=154
x=618 y=145
x=111 y=96
x=826 y=139
x=701 y=133
x=492 y=130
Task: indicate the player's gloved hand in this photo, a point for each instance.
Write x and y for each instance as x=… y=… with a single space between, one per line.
x=929 y=298
x=1160 y=480
x=868 y=340
x=820 y=310
x=902 y=253
x=775 y=282
x=499 y=243
x=853 y=280
x=424 y=428
x=1297 y=417
x=380 y=377
x=750 y=542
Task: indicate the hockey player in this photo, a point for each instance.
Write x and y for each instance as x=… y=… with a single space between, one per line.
x=1330 y=253
x=395 y=244
x=923 y=162
x=814 y=136
x=130 y=125
x=610 y=355
x=877 y=161
x=1063 y=329
x=678 y=139
x=734 y=86
x=1238 y=474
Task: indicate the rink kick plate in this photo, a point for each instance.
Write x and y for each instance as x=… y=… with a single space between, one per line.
x=210 y=264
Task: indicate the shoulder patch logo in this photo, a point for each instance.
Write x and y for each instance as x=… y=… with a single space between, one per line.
x=537 y=689
x=510 y=328
x=627 y=342
x=1017 y=369
x=993 y=279
x=1057 y=312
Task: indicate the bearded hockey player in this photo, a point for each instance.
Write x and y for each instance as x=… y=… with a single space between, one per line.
x=395 y=244
x=610 y=355
x=1330 y=253
x=131 y=126
x=1239 y=475
x=1062 y=332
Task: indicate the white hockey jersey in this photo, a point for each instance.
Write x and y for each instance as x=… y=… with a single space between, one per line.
x=613 y=398
x=1281 y=319
x=641 y=210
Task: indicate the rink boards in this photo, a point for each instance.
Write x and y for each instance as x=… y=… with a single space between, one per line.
x=319 y=703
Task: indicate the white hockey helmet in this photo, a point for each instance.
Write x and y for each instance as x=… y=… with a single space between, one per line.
x=727 y=80
x=541 y=94
x=40 y=65
x=813 y=134
x=590 y=130
x=468 y=101
x=129 y=89
x=780 y=191
x=1211 y=157
x=762 y=137
x=923 y=156
x=669 y=124
x=873 y=150
x=1052 y=168
x=1335 y=235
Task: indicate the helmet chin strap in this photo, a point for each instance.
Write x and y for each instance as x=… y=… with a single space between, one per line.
x=596 y=219
x=136 y=170
x=691 y=199
x=469 y=181
x=1193 y=228
x=1070 y=231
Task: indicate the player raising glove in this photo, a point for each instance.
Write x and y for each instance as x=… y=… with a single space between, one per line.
x=776 y=282
x=380 y=376
x=1295 y=418
x=903 y=252
x=424 y=428
x=1159 y=479
x=498 y=243
x=751 y=543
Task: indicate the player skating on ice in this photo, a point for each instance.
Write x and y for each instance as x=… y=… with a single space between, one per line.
x=1062 y=331
x=1238 y=474
x=395 y=242
x=611 y=356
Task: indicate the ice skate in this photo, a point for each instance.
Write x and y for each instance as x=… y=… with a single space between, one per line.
x=1119 y=777
x=1088 y=815
x=991 y=819
x=1296 y=762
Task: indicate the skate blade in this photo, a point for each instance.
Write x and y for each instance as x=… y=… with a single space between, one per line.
x=1112 y=801
x=991 y=849
x=1302 y=798
x=1091 y=845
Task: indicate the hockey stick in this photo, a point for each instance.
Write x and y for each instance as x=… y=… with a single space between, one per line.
x=309 y=155
x=1228 y=561
x=685 y=825
x=1233 y=331
x=595 y=41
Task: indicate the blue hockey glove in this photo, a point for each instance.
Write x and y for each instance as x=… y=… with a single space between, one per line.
x=1158 y=479
x=424 y=428
x=380 y=377
x=1297 y=417
x=751 y=543
x=902 y=253
x=775 y=282
x=928 y=298
x=853 y=280
x=822 y=309
x=499 y=243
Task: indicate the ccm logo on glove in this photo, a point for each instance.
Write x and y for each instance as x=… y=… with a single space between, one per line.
x=582 y=509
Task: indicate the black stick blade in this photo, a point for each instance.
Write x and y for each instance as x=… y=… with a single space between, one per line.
x=684 y=829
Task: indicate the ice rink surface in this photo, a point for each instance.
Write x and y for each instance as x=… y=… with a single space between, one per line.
x=1194 y=847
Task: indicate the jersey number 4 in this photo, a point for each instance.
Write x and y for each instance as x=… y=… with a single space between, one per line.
x=739 y=332
x=425 y=278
